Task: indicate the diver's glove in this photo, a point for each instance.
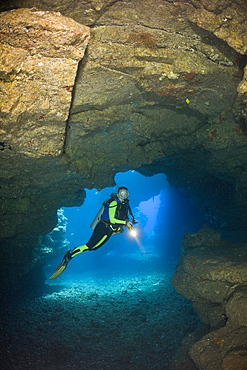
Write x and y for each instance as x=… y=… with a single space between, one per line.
x=134 y=221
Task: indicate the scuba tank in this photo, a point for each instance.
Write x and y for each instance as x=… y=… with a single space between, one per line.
x=103 y=208
x=97 y=218
x=121 y=211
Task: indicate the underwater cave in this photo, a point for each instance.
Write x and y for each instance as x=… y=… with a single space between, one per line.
x=146 y=95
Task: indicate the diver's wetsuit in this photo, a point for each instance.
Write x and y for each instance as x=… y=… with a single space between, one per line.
x=112 y=221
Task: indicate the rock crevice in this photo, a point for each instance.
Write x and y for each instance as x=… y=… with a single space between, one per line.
x=212 y=273
x=162 y=84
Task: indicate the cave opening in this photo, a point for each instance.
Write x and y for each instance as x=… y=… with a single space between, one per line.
x=162 y=88
x=116 y=307
x=164 y=214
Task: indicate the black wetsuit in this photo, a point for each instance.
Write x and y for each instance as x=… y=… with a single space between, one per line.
x=112 y=221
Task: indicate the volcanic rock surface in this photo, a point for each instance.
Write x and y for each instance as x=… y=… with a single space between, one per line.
x=162 y=88
x=40 y=52
x=212 y=273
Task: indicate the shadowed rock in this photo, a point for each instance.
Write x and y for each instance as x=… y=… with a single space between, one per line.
x=162 y=88
x=214 y=278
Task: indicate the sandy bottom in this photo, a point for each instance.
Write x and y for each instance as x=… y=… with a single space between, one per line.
x=128 y=322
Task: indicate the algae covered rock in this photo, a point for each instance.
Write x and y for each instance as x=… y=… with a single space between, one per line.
x=205 y=237
x=214 y=279
x=40 y=52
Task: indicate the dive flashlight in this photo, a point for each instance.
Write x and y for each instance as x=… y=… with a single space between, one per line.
x=132 y=231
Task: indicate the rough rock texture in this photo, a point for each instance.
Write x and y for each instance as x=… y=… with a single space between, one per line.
x=225 y=18
x=119 y=322
x=223 y=349
x=162 y=88
x=212 y=273
x=40 y=52
x=55 y=242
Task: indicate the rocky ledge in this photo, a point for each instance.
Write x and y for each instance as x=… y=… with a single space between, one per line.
x=40 y=52
x=212 y=273
x=161 y=89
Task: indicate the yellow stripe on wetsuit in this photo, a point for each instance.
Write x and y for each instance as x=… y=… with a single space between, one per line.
x=84 y=248
x=112 y=211
x=101 y=241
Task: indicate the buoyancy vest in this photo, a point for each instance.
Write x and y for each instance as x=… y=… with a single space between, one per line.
x=122 y=209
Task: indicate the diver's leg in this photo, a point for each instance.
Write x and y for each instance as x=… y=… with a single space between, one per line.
x=101 y=234
x=68 y=257
x=60 y=268
x=78 y=250
x=97 y=238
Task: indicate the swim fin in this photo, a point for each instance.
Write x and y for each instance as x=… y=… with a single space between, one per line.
x=66 y=258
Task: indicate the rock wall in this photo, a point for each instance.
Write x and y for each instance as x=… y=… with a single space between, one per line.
x=157 y=90
x=40 y=52
x=162 y=88
x=161 y=80
x=54 y=243
x=212 y=273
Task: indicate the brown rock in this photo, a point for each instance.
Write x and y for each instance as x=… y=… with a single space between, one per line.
x=226 y=19
x=40 y=52
x=214 y=279
x=222 y=349
x=205 y=237
x=242 y=87
x=156 y=92
x=236 y=308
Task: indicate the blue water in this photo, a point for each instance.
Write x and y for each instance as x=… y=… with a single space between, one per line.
x=113 y=308
x=163 y=213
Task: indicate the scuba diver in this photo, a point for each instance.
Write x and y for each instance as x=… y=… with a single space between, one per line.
x=111 y=219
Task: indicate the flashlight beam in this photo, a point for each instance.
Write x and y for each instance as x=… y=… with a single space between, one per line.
x=133 y=233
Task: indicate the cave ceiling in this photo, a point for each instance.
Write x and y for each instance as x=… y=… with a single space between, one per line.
x=90 y=88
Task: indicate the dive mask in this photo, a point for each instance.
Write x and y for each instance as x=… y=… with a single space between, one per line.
x=123 y=193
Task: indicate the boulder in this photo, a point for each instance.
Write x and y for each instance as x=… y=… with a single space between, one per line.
x=214 y=279
x=160 y=89
x=40 y=52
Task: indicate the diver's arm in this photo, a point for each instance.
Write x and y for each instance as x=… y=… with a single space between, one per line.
x=132 y=216
x=112 y=211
